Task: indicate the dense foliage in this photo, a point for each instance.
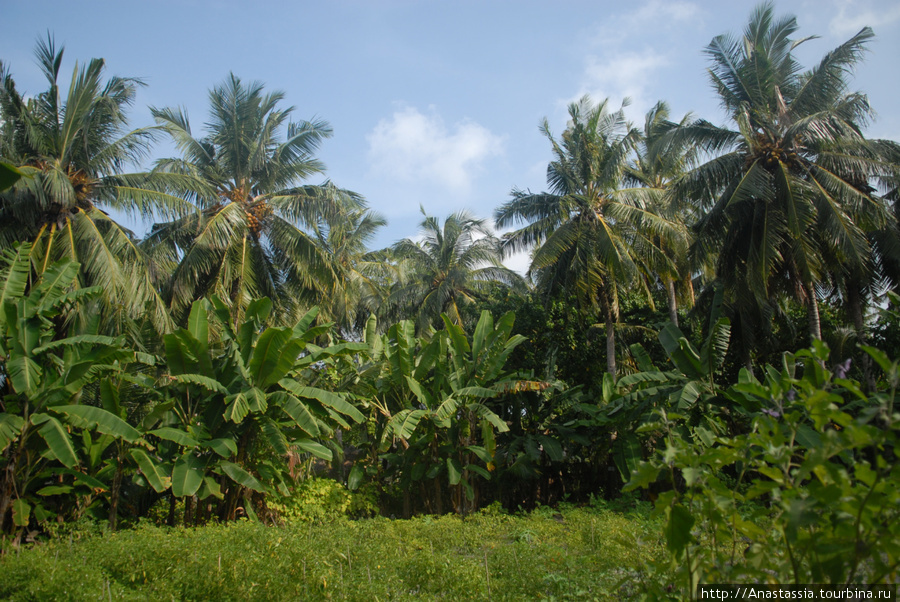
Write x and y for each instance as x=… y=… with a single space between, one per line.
x=252 y=358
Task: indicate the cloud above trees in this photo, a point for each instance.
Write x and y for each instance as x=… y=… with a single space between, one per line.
x=412 y=145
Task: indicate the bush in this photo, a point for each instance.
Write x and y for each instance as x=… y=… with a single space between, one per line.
x=322 y=499
x=810 y=495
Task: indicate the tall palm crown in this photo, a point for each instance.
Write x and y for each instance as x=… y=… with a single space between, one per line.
x=73 y=150
x=658 y=161
x=246 y=238
x=791 y=181
x=586 y=228
x=447 y=269
x=360 y=277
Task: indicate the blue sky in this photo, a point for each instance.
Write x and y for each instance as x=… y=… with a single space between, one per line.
x=435 y=103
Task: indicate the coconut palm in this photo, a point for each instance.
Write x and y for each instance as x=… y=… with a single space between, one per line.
x=361 y=277
x=788 y=185
x=447 y=269
x=246 y=238
x=73 y=148
x=658 y=161
x=586 y=228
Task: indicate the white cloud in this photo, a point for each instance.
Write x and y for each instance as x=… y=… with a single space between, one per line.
x=664 y=11
x=620 y=75
x=853 y=16
x=415 y=146
x=611 y=72
x=646 y=21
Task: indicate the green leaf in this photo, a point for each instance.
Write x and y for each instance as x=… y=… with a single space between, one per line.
x=298 y=412
x=485 y=325
x=254 y=318
x=151 y=471
x=454 y=470
x=479 y=470
x=198 y=326
x=9 y=175
x=14 y=281
x=237 y=408
x=209 y=488
x=87 y=480
x=641 y=358
x=187 y=475
x=404 y=422
x=316 y=449
x=223 y=315
x=446 y=409
x=54 y=490
x=256 y=400
x=552 y=448
x=10 y=429
x=222 y=446
x=156 y=414
x=326 y=398
x=426 y=359
x=627 y=455
x=91 y=340
x=21 y=512
x=24 y=374
x=356 y=477
x=275 y=354
x=480 y=452
x=274 y=435
x=480 y=392
x=881 y=358
x=58 y=441
x=642 y=476
x=210 y=384
x=416 y=389
x=303 y=325
x=176 y=436
x=242 y=477
x=680 y=351
x=105 y=422
x=54 y=283
x=678 y=528
x=457 y=337
x=180 y=357
x=485 y=413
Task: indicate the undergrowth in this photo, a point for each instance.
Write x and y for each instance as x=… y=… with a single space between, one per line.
x=565 y=554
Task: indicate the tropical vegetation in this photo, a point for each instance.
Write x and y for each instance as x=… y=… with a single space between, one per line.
x=251 y=365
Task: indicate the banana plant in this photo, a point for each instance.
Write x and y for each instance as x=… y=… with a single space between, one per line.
x=640 y=403
x=43 y=377
x=430 y=400
x=251 y=389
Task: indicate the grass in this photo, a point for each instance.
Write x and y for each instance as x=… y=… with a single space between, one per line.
x=570 y=554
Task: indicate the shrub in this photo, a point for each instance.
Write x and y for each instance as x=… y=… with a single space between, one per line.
x=323 y=499
x=810 y=495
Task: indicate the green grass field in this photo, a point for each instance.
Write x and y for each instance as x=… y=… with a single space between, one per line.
x=571 y=554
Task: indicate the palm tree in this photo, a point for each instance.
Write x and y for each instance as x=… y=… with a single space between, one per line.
x=361 y=277
x=73 y=150
x=447 y=269
x=245 y=239
x=658 y=161
x=788 y=186
x=586 y=228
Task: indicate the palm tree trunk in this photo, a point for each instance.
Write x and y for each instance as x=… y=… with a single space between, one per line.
x=815 y=325
x=673 y=302
x=855 y=303
x=610 y=336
